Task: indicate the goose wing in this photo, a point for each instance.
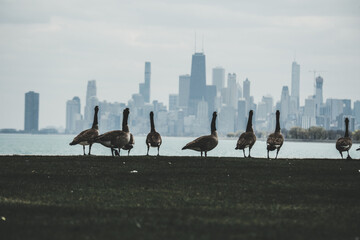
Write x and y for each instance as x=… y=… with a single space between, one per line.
x=88 y=135
x=343 y=144
x=275 y=140
x=115 y=138
x=204 y=143
x=245 y=140
x=131 y=143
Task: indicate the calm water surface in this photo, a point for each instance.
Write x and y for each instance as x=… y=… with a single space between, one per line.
x=28 y=144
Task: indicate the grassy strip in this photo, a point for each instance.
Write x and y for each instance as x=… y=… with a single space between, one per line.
x=140 y=197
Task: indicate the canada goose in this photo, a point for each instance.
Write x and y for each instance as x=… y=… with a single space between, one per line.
x=344 y=143
x=205 y=143
x=276 y=139
x=248 y=138
x=116 y=139
x=88 y=136
x=153 y=139
x=130 y=145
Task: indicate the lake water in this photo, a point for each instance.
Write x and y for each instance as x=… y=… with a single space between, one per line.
x=28 y=144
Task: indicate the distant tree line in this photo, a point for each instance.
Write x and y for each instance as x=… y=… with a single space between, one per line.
x=312 y=133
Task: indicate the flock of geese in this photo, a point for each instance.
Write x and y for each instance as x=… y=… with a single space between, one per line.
x=123 y=139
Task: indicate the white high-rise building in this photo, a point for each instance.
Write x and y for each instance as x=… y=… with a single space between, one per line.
x=308 y=119
x=295 y=84
x=72 y=114
x=232 y=96
x=246 y=93
x=319 y=94
x=218 y=78
x=284 y=103
x=91 y=102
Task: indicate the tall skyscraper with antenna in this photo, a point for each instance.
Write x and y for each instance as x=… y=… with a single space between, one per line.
x=197 y=81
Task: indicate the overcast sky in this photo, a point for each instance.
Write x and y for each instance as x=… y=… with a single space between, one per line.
x=55 y=47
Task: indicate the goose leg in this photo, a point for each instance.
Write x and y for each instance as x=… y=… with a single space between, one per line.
x=249 y=152
x=341 y=154
x=112 y=151
x=201 y=153
x=90 y=149
x=119 y=152
x=268 y=154
x=147 y=154
x=205 y=153
x=348 y=157
x=129 y=152
x=84 y=149
x=244 y=152
x=277 y=152
x=158 y=150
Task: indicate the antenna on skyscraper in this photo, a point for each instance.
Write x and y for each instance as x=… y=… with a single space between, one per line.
x=202 y=43
x=195 y=42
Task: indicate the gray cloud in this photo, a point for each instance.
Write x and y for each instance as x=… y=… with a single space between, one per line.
x=54 y=47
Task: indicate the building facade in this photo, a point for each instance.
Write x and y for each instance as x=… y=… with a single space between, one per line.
x=31 y=124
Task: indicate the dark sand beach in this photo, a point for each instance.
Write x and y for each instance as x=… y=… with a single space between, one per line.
x=98 y=197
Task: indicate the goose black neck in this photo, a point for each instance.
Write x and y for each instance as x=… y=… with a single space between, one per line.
x=346 y=128
x=95 y=122
x=213 y=124
x=277 y=127
x=125 y=120
x=152 y=125
x=249 y=124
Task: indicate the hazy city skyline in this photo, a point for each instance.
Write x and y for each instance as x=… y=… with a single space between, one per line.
x=53 y=49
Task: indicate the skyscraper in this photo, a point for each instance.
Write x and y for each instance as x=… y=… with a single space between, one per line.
x=197 y=81
x=232 y=91
x=318 y=94
x=241 y=116
x=31 y=112
x=91 y=102
x=246 y=89
x=246 y=95
x=218 y=78
x=295 y=84
x=284 y=104
x=144 y=88
x=72 y=114
x=173 y=102
x=357 y=111
x=184 y=90
x=210 y=98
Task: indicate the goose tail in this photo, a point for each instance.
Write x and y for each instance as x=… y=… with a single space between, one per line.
x=358 y=149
